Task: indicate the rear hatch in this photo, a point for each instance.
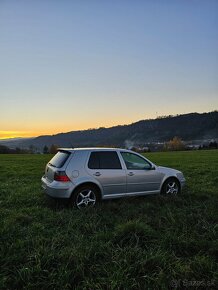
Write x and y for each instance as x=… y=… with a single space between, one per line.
x=57 y=162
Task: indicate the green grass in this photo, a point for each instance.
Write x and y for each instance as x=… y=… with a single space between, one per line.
x=130 y=243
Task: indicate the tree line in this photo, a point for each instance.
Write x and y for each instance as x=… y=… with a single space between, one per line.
x=30 y=150
x=175 y=144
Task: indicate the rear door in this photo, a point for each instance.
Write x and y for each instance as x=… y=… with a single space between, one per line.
x=141 y=176
x=106 y=168
x=56 y=162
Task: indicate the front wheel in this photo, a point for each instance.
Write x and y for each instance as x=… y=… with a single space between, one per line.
x=171 y=187
x=85 y=196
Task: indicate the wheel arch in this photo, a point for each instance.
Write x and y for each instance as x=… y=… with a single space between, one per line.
x=88 y=183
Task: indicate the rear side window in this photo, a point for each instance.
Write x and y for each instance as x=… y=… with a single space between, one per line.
x=94 y=161
x=104 y=160
x=59 y=159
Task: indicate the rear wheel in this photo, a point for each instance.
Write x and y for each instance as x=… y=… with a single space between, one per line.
x=85 y=196
x=171 y=187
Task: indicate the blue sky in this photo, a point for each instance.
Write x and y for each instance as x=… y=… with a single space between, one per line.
x=68 y=65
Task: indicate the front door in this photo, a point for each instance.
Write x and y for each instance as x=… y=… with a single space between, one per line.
x=141 y=176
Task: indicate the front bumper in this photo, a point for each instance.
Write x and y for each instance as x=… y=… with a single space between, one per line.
x=57 y=189
x=182 y=182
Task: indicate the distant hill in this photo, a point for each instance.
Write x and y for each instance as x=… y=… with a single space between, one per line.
x=14 y=142
x=191 y=126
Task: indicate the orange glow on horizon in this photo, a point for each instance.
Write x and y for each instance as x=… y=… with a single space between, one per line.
x=29 y=134
x=8 y=134
x=13 y=134
x=53 y=129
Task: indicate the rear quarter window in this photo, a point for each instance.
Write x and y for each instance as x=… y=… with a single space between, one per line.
x=59 y=159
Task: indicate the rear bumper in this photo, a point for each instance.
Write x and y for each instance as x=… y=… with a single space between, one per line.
x=57 y=189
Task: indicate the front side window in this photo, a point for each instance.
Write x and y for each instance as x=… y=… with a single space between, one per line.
x=104 y=160
x=135 y=162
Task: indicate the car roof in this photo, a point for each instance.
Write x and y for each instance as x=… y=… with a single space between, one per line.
x=92 y=149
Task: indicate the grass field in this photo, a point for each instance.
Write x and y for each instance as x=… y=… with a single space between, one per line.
x=133 y=243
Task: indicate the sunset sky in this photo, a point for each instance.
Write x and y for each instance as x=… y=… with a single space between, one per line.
x=70 y=65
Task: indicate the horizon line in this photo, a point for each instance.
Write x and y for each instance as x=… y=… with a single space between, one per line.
x=101 y=127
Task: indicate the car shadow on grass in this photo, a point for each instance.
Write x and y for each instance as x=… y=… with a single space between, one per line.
x=56 y=204
x=115 y=204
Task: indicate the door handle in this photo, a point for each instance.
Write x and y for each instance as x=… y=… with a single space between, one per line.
x=130 y=173
x=97 y=174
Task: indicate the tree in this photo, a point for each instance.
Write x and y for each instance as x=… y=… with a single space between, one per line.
x=175 y=144
x=18 y=150
x=213 y=145
x=32 y=149
x=45 y=150
x=4 y=149
x=53 y=149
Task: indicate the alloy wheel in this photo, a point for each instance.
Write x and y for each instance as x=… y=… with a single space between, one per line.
x=172 y=187
x=85 y=198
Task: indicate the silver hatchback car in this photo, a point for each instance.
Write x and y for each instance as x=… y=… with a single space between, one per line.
x=87 y=175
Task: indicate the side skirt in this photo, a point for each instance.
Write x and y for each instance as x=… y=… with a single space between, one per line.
x=118 y=195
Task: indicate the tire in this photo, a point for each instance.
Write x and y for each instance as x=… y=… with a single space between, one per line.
x=170 y=187
x=85 y=196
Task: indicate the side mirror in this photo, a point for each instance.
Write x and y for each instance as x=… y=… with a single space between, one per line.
x=152 y=167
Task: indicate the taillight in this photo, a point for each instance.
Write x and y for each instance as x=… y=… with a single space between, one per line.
x=61 y=176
